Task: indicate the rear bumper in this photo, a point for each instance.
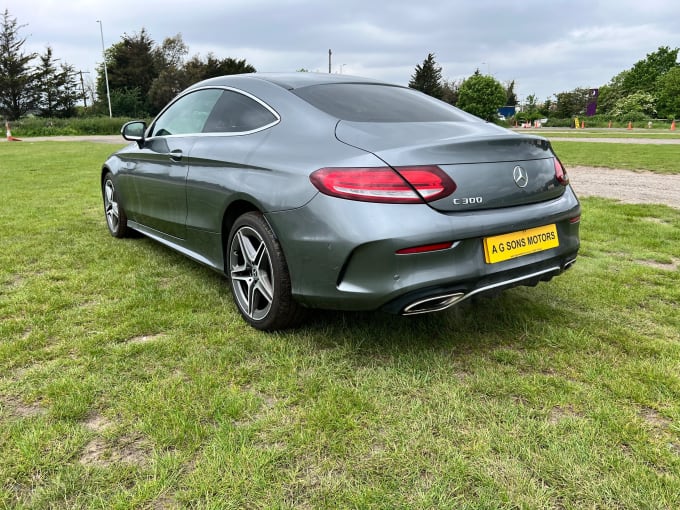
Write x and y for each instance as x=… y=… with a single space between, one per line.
x=342 y=255
x=434 y=299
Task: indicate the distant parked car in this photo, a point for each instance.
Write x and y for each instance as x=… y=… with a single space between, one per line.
x=330 y=191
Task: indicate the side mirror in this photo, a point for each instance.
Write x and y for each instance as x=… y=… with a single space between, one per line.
x=134 y=131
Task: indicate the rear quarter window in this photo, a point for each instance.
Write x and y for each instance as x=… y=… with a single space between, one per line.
x=361 y=102
x=237 y=113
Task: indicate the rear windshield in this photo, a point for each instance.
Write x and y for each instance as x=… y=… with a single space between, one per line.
x=361 y=102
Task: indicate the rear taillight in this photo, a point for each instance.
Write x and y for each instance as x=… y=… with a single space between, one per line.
x=560 y=173
x=401 y=185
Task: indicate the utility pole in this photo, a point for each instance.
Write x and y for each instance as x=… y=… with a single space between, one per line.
x=82 y=85
x=329 y=61
x=106 y=73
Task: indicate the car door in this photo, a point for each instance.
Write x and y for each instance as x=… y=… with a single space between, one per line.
x=160 y=166
x=222 y=160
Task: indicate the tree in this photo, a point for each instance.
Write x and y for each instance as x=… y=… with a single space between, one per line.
x=611 y=93
x=197 y=68
x=635 y=106
x=144 y=77
x=511 y=96
x=171 y=53
x=16 y=77
x=55 y=90
x=531 y=111
x=132 y=66
x=168 y=84
x=482 y=96
x=128 y=102
x=428 y=77
x=547 y=108
x=171 y=79
x=68 y=91
x=572 y=103
x=450 y=91
x=644 y=75
x=669 y=94
x=46 y=84
x=212 y=67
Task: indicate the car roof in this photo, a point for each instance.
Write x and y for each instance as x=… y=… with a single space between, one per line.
x=289 y=81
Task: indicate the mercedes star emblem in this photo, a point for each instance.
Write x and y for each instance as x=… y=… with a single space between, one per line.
x=520 y=176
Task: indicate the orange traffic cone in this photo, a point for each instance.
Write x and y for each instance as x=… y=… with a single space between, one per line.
x=583 y=124
x=10 y=138
x=673 y=126
x=630 y=125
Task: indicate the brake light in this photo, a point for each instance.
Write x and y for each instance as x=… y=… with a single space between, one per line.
x=401 y=185
x=560 y=173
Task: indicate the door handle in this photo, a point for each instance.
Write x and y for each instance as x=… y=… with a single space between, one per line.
x=176 y=155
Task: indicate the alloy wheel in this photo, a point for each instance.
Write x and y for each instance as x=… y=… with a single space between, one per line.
x=111 y=206
x=251 y=273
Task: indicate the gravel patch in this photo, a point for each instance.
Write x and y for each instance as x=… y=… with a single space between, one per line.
x=626 y=186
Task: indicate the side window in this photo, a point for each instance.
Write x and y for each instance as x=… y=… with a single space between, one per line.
x=237 y=113
x=188 y=114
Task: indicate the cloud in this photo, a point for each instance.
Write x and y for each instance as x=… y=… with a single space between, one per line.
x=546 y=47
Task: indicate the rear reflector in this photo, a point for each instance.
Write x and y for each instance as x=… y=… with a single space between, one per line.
x=560 y=173
x=406 y=185
x=425 y=248
x=575 y=219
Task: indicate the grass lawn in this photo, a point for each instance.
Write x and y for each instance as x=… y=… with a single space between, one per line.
x=128 y=380
x=657 y=158
x=604 y=133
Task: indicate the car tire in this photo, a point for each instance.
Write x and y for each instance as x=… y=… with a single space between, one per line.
x=259 y=277
x=116 y=219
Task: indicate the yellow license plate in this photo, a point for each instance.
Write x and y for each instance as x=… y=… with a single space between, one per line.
x=523 y=242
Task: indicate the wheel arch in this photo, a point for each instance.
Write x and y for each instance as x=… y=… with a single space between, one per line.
x=105 y=170
x=231 y=214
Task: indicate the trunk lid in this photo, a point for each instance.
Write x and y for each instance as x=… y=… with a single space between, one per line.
x=491 y=166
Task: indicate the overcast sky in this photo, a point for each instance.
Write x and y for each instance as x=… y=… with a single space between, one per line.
x=546 y=46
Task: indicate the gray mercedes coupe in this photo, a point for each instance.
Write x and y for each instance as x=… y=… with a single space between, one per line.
x=329 y=191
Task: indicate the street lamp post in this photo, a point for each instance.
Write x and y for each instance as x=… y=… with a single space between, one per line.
x=106 y=73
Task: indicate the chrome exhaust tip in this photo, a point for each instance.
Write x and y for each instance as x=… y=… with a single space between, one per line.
x=568 y=264
x=440 y=302
x=433 y=304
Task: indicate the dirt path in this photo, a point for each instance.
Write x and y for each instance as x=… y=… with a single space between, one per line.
x=629 y=187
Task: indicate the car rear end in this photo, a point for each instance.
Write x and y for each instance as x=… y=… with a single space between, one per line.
x=453 y=207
